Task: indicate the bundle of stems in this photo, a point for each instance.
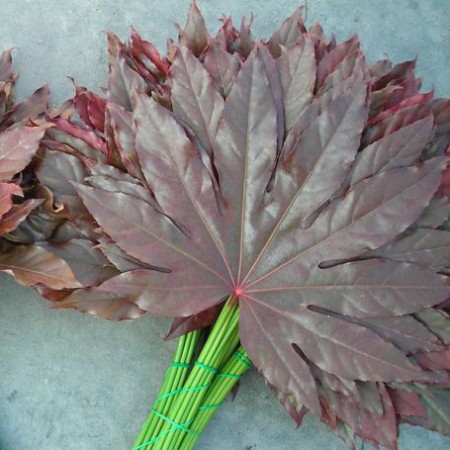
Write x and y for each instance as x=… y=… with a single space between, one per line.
x=195 y=386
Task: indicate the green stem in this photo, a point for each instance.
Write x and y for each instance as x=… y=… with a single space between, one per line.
x=176 y=376
x=237 y=365
x=177 y=421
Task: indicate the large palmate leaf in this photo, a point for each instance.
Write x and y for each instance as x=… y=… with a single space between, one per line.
x=287 y=174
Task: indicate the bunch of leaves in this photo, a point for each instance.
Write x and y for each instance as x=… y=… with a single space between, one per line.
x=287 y=174
x=22 y=127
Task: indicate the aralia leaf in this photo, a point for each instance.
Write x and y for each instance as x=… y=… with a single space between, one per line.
x=292 y=176
x=36 y=266
x=17 y=146
x=7 y=190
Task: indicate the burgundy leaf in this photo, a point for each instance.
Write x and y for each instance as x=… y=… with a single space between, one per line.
x=290 y=33
x=31 y=108
x=196 y=103
x=88 y=263
x=17 y=214
x=297 y=73
x=407 y=403
x=7 y=190
x=185 y=325
x=400 y=148
x=103 y=304
x=435 y=214
x=90 y=107
x=194 y=35
x=430 y=248
x=85 y=134
x=438 y=322
x=405 y=332
x=333 y=59
x=140 y=47
x=288 y=175
x=436 y=402
x=121 y=122
x=121 y=261
x=17 y=146
x=439 y=360
x=123 y=80
x=222 y=66
x=32 y=265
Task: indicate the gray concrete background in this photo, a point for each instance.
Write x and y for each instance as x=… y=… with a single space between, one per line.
x=69 y=381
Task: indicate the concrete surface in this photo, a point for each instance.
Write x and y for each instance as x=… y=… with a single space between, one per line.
x=69 y=381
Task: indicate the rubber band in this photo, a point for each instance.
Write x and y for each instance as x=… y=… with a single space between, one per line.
x=206 y=407
x=182 y=391
x=204 y=366
x=229 y=375
x=180 y=365
x=243 y=359
x=176 y=426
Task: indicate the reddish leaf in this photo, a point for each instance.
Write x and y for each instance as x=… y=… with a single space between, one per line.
x=438 y=322
x=436 y=402
x=291 y=176
x=297 y=73
x=196 y=103
x=85 y=134
x=434 y=360
x=31 y=108
x=194 y=35
x=430 y=248
x=17 y=146
x=122 y=80
x=17 y=214
x=289 y=34
x=32 y=265
x=184 y=325
x=400 y=148
x=95 y=301
x=7 y=190
x=121 y=122
x=90 y=107
x=222 y=66
x=333 y=59
x=89 y=264
x=435 y=214
x=407 y=403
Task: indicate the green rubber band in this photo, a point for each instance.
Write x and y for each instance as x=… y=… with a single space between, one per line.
x=229 y=375
x=205 y=407
x=204 y=366
x=243 y=359
x=178 y=426
x=156 y=439
x=182 y=391
x=180 y=365
x=165 y=433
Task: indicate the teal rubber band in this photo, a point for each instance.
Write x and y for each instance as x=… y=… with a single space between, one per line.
x=204 y=366
x=156 y=439
x=229 y=375
x=180 y=365
x=178 y=426
x=206 y=407
x=165 y=433
x=182 y=391
x=243 y=359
